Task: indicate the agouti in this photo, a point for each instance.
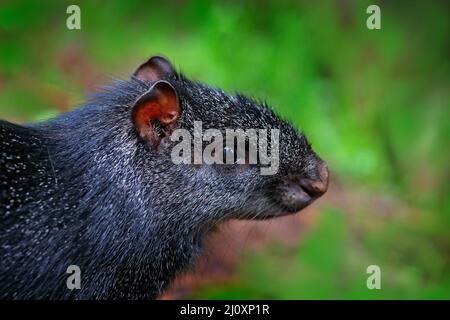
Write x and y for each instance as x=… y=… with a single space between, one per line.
x=98 y=187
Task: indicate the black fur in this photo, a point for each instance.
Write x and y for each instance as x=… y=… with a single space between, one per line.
x=84 y=189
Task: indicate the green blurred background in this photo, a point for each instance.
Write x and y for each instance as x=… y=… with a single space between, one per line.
x=374 y=103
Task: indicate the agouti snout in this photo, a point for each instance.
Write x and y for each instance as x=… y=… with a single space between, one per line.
x=300 y=191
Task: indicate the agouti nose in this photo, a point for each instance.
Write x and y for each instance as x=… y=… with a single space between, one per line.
x=300 y=192
x=316 y=188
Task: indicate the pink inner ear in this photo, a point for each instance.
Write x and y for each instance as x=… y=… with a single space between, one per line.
x=159 y=103
x=170 y=117
x=143 y=117
x=146 y=113
x=164 y=110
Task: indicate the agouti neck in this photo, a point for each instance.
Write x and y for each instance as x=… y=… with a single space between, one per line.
x=85 y=191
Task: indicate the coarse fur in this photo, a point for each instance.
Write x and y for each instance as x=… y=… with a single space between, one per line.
x=84 y=189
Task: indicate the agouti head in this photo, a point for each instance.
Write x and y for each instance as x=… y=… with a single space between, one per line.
x=127 y=186
x=183 y=124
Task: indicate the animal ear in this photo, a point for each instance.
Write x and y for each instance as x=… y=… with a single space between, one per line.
x=156 y=68
x=156 y=112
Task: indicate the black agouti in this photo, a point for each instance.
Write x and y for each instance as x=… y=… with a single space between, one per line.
x=98 y=188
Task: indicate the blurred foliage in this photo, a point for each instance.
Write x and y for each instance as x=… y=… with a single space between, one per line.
x=375 y=105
